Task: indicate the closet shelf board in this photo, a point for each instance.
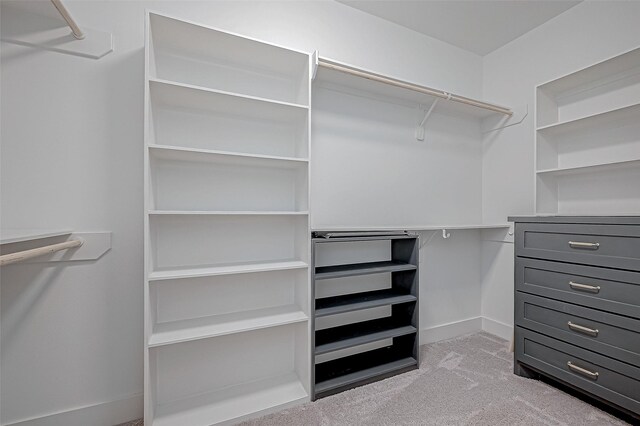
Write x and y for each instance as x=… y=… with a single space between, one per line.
x=159 y=82
x=327 y=272
x=233 y=404
x=219 y=325
x=236 y=268
x=8 y=236
x=411 y=227
x=226 y=213
x=593 y=121
x=209 y=156
x=615 y=165
x=169 y=152
x=360 y=333
x=357 y=301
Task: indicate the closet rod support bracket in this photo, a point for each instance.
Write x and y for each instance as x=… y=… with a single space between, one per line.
x=421 y=126
x=445 y=234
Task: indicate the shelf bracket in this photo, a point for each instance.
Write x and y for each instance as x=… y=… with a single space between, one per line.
x=314 y=65
x=445 y=234
x=518 y=116
x=420 y=128
x=47 y=33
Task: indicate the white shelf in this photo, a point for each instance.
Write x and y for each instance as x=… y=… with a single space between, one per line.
x=199 y=155
x=414 y=227
x=183 y=51
x=220 y=325
x=226 y=213
x=226 y=270
x=614 y=165
x=592 y=121
x=235 y=403
x=176 y=84
x=9 y=236
x=187 y=180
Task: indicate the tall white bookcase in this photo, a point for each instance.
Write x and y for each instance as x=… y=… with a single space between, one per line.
x=227 y=238
x=588 y=140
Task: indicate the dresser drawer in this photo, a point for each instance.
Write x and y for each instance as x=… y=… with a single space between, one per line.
x=614 y=381
x=613 y=246
x=606 y=289
x=609 y=334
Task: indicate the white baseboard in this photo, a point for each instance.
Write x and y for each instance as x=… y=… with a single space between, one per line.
x=450 y=330
x=103 y=414
x=497 y=328
x=466 y=326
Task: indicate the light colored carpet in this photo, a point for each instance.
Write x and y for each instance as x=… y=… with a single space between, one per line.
x=463 y=381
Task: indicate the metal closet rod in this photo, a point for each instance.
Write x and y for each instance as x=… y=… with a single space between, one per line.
x=75 y=29
x=20 y=256
x=410 y=86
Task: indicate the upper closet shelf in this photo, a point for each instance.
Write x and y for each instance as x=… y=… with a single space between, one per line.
x=414 y=228
x=9 y=236
x=339 y=76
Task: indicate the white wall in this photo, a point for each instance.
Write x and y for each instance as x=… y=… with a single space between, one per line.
x=72 y=138
x=586 y=34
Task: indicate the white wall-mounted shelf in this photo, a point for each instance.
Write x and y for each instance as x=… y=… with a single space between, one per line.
x=94 y=244
x=588 y=140
x=10 y=236
x=416 y=227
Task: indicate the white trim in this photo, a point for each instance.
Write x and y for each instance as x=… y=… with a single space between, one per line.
x=450 y=330
x=465 y=326
x=102 y=414
x=497 y=328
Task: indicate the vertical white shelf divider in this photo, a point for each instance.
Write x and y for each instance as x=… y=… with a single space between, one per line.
x=227 y=232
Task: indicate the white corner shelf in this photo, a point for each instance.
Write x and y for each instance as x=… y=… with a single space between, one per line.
x=234 y=403
x=172 y=274
x=588 y=140
x=220 y=325
x=16 y=235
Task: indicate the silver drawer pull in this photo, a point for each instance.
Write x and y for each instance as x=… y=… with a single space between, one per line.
x=581 y=245
x=582 y=329
x=584 y=287
x=590 y=374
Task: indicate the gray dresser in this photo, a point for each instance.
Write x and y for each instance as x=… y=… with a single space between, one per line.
x=577 y=304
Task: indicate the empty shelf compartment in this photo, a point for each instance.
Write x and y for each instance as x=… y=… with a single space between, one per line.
x=326 y=272
x=362 y=368
x=350 y=335
x=357 y=301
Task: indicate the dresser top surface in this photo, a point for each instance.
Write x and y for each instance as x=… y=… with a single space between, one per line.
x=613 y=220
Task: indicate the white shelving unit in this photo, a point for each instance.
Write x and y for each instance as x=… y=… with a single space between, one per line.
x=227 y=238
x=588 y=140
